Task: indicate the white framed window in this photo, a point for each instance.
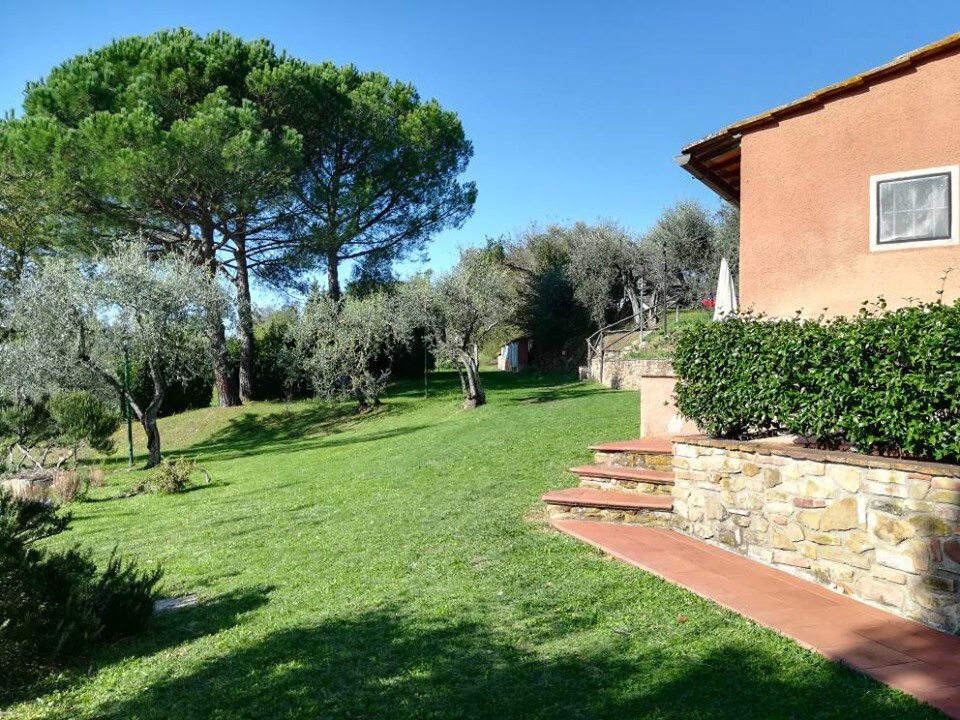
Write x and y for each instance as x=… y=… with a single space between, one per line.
x=917 y=208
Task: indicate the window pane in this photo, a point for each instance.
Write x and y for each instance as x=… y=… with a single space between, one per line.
x=903 y=225
x=886 y=227
x=925 y=190
x=886 y=197
x=915 y=208
x=941 y=223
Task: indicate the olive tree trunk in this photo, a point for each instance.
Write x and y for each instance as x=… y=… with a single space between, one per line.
x=475 y=394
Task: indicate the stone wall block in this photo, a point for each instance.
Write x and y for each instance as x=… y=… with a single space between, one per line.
x=913 y=557
x=947 y=497
x=880 y=591
x=889 y=574
x=950 y=513
x=890 y=529
x=808 y=467
x=807 y=502
x=844 y=557
x=841 y=514
x=946 y=483
x=857 y=542
x=792 y=559
x=771 y=477
x=929 y=525
x=818 y=487
x=880 y=488
x=760 y=553
x=821 y=538
x=847 y=477
x=917 y=488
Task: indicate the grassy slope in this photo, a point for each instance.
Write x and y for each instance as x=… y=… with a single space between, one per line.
x=396 y=565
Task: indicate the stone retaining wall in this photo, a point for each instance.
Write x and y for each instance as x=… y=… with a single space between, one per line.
x=626 y=374
x=881 y=530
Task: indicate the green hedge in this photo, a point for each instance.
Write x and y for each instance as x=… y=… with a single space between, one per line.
x=880 y=382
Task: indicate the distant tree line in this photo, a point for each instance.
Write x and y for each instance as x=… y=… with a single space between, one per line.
x=574 y=279
x=252 y=165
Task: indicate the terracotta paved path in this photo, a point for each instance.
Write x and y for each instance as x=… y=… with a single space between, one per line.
x=905 y=655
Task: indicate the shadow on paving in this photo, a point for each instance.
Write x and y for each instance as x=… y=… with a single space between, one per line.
x=377 y=666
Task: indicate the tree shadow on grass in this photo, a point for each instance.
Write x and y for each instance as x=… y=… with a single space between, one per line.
x=261 y=434
x=378 y=665
x=165 y=631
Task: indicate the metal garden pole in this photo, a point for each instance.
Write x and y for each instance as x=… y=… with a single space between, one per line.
x=664 y=289
x=126 y=403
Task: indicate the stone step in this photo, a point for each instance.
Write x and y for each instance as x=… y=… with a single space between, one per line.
x=637 y=447
x=625 y=479
x=609 y=506
x=607 y=499
x=650 y=454
x=616 y=472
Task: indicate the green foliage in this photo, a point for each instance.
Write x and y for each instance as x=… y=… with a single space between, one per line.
x=186 y=390
x=346 y=345
x=381 y=166
x=55 y=605
x=169 y=477
x=82 y=418
x=388 y=567
x=548 y=308
x=460 y=310
x=26 y=421
x=883 y=382
x=279 y=374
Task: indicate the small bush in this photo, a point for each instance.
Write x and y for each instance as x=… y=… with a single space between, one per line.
x=82 y=418
x=69 y=485
x=95 y=476
x=880 y=382
x=55 y=605
x=170 y=477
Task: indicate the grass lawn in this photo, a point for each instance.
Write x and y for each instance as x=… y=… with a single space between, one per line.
x=397 y=565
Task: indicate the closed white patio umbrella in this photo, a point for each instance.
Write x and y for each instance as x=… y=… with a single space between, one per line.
x=726 y=302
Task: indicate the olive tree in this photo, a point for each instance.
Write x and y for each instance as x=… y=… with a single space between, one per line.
x=71 y=325
x=460 y=309
x=606 y=262
x=346 y=345
x=158 y=136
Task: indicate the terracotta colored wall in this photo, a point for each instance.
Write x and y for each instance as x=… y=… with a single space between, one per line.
x=659 y=417
x=805 y=189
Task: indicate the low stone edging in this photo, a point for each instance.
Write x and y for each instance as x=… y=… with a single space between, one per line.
x=882 y=530
x=626 y=374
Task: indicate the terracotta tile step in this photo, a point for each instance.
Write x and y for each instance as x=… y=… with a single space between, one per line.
x=589 y=497
x=901 y=653
x=615 y=472
x=640 y=447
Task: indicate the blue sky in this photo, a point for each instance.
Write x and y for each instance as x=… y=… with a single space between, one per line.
x=576 y=110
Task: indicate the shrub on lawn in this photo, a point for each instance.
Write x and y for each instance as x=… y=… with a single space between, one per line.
x=170 y=477
x=55 y=605
x=880 y=382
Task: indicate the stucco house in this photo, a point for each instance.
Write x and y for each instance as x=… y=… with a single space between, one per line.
x=848 y=193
